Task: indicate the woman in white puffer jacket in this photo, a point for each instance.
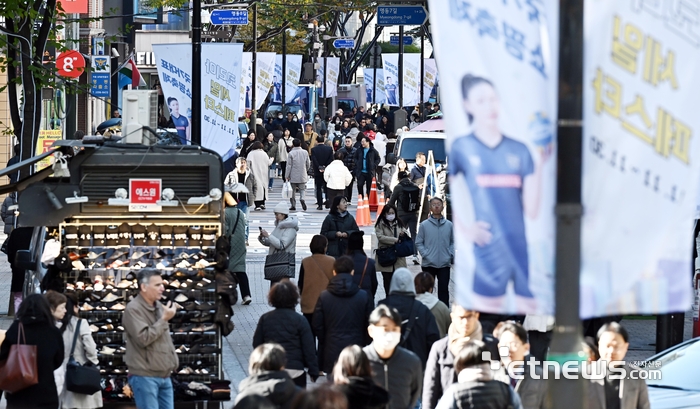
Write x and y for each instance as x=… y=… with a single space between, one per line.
x=337 y=177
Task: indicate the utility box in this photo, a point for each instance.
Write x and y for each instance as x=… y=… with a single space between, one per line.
x=400 y=118
x=140 y=112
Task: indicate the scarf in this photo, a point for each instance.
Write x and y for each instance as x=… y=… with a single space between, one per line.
x=457 y=341
x=343 y=214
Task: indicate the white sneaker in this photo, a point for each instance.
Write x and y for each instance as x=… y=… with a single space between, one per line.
x=247 y=300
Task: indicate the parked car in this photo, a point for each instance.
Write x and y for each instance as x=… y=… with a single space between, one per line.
x=679 y=383
x=408 y=144
x=274 y=107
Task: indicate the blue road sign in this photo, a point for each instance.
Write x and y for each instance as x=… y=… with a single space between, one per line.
x=344 y=43
x=401 y=15
x=229 y=17
x=394 y=40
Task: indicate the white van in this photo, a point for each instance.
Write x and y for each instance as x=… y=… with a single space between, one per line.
x=409 y=143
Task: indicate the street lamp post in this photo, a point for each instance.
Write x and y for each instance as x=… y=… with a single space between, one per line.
x=196 y=73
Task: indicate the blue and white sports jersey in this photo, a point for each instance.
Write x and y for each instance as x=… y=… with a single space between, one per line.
x=181 y=123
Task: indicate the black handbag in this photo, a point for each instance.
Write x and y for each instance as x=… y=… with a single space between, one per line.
x=279 y=265
x=387 y=256
x=404 y=247
x=84 y=379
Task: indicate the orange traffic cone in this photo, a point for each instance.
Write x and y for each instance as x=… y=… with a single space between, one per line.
x=373 y=196
x=380 y=206
x=359 y=213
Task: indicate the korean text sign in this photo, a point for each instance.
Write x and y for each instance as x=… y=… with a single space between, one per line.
x=641 y=159
x=499 y=99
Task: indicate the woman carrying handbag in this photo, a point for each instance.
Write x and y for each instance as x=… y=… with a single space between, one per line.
x=389 y=229
x=84 y=350
x=36 y=324
x=282 y=243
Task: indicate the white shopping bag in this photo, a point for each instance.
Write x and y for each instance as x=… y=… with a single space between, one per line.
x=287 y=191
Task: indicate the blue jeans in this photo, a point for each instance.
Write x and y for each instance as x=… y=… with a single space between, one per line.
x=273 y=167
x=243 y=206
x=151 y=392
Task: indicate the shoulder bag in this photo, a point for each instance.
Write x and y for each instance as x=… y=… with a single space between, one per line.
x=279 y=265
x=19 y=370
x=223 y=243
x=387 y=256
x=409 y=325
x=83 y=379
x=404 y=247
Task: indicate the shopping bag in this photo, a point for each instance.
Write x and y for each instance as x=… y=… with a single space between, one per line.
x=287 y=191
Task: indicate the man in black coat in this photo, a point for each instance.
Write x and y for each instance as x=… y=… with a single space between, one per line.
x=419 y=331
x=341 y=316
x=366 y=160
x=349 y=160
x=292 y=123
x=321 y=156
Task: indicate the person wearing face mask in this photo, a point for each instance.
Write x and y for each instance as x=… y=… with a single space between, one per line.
x=284 y=146
x=388 y=229
x=292 y=124
x=338 y=226
x=279 y=119
x=318 y=125
x=341 y=314
x=394 y=368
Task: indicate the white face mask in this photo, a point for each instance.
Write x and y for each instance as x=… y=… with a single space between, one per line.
x=386 y=340
x=279 y=116
x=391 y=217
x=295 y=120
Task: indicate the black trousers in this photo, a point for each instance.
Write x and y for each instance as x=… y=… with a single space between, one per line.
x=320 y=184
x=366 y=180
x=539 y=343
x=386 y=278
x=442 y=275
x=243 y=283
x=348 y=190
x=283 y=165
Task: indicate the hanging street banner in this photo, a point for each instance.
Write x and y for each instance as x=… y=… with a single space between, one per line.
x=246 y=81
x=331 y=79
x=641 y=160
x=264 y=71
x=499 y=96
x=293 y=74
x=411 y=78
x=369 y=83
x=221 y=71
x=429 y=79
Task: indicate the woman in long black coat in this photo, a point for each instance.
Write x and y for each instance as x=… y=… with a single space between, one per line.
x=39 y=329
x=338 y=226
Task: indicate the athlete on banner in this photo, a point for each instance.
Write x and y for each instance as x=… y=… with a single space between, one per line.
x=505 y=184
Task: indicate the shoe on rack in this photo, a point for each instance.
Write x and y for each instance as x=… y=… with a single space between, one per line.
x=247 y=300
x=111 y=297
x=107 y=350
x=303 y=205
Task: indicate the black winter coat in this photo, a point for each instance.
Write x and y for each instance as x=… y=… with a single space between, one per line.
x=333 y=223
x=440 y=370
x=397 y=197
x=277 y=386
x=321 y=155
x=49 y=346
x=369 y=282
x=349 y=158
x=291 y=330
x=424 y=331
x=363 y=393
x=341 y=319
x=372 y=158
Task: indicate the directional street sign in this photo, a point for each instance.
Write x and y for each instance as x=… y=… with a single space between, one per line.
x=229 y=17
x=394 y=40
x=401 y=15
x=344 y=43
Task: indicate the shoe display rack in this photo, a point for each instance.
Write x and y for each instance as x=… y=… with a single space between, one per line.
x=106 y=259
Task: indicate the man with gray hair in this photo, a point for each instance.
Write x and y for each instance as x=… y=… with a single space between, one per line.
x=150 y=354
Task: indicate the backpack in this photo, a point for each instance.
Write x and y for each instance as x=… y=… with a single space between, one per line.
x=410 y=198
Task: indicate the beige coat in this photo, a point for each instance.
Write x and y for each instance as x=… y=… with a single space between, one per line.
x=259 y=165
x=85 y=350
x=386 y=238
x=318 y=271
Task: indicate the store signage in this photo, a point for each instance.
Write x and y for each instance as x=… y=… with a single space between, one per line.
x=70 y=64
x=144 y=194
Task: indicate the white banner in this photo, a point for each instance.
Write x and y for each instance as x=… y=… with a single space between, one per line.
x=246 y=80
x=411 y=78
x=221 y=70
x=332 y=77
x=368 y=74
x=265 y=70
x=500 y=102
x=641 y=160
x=293 y=74
x=429 y=78
x=390 y=62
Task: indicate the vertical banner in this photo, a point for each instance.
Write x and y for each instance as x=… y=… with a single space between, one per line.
x=641 y=158
x=264 y=73
x=46 y=138
x=411 y=79
x=221 y=71
x=331 y=79
x=390 y=62
x=293 y=74
x=500 y=104
x=246 y=81
x=429 y=79
x=100 y=75
x=369 y=83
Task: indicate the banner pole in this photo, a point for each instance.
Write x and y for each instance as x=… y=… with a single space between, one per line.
x=566 y=340
x=284 y=69
x=196 y=124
